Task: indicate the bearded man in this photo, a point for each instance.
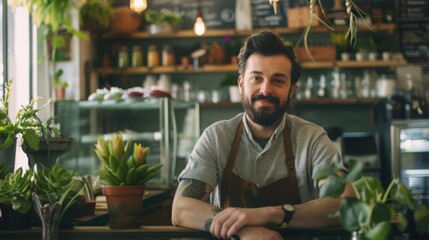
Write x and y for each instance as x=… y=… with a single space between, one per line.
x=256 y=169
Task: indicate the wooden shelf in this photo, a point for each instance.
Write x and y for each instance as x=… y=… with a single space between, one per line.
x=367 y=63
x=389 y=28
x=233 y=68
x=337 y=101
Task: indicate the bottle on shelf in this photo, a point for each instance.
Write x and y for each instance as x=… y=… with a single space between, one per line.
x=322 y=91
x=136 y=57
x=123 y=57
x=308 y=92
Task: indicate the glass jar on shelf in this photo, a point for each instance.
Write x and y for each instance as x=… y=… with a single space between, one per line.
x=168 y=57
x=152 y=56
x=136 y=57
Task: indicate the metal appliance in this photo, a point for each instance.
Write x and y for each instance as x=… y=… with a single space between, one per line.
x=364 y=147
x=410 y=155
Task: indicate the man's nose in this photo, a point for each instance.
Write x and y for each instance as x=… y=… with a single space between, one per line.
x=265 y=88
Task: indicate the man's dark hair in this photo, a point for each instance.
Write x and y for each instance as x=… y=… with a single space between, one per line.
x=268 y=43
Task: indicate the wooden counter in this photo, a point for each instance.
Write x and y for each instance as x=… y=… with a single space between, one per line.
x=164 y=232
x=155 y=224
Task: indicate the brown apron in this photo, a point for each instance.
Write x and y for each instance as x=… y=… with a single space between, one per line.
x=238 y=192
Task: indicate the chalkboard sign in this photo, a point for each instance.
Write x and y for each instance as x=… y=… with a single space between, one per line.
x=263 y=14
x=217 y=14
x=414 y=30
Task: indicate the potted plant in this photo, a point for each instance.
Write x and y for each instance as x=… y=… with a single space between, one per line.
x=373 y=211
x=124 y=20
x=60 y=85
x=55 y=190
x=7 y=129
x=123 y=178
x=42 y=142
x=163 y=21
x=95 y=15
x=54 y=17
x=15 y=199
x=366 y=48
x=341 y=42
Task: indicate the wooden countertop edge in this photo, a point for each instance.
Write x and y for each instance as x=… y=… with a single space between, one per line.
x=147 y=229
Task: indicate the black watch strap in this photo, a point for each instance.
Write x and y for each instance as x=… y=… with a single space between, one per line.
x=288 y=210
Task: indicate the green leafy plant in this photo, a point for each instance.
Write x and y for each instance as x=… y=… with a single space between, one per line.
x=99 y=11
x=373 y=208
x=120 y=169
x=163 y=16
x=339 y=39
x=27 y=123
x=57 y=184
x=55 y=16
x=58 y=81
x=7 y=127
x=366 y=44
x=16 y=189
x=4 y=170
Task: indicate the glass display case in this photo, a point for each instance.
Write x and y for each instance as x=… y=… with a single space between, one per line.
x=168 y=127
x=410 y=155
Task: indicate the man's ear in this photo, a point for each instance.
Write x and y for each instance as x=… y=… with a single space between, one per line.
x=240 y=81
x=292 y=90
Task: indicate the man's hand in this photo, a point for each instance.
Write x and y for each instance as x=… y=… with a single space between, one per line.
x=258 y=233
x=231 y=220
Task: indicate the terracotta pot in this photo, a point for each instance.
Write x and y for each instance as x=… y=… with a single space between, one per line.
x=60 y=93
x=124 y=20
x=124 y=204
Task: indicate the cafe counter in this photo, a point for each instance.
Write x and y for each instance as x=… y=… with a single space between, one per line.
x=155 y=224
x=164 y=232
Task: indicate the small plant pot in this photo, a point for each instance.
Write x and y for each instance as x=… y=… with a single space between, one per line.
x=48 y=151
x=161 y=28
x=13 y=220
x=60 y=93
x=124 y=21
x=124 y=204
x=345 y=56
x=372 y=56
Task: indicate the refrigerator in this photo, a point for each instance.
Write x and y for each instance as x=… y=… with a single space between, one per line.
x=410 y=155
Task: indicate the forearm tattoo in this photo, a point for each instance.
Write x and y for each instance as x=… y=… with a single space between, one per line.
x=208 y=224
x=196 y=189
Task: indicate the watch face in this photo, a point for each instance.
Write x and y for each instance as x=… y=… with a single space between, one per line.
x=288 y=207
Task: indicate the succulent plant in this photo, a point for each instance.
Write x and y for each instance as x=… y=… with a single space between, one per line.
x=16 y=189
x=4 y=170
x=121 y=169
x=57 y=184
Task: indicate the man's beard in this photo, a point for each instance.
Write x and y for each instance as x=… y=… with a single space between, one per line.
x=262 y=115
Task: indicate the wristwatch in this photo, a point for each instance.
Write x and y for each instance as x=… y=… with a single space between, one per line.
x=289 y=210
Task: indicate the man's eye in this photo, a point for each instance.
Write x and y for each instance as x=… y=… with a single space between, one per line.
x=279 y=82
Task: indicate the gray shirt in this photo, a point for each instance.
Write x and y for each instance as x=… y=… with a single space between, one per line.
x=311 y=146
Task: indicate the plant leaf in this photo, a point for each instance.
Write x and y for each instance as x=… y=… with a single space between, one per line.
x=421 y=216
x=333 y=187
x=380 y=213
x=31 y=139
x=355 y=170
x=379 y=232
x=403 y=195
x=354 y=214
